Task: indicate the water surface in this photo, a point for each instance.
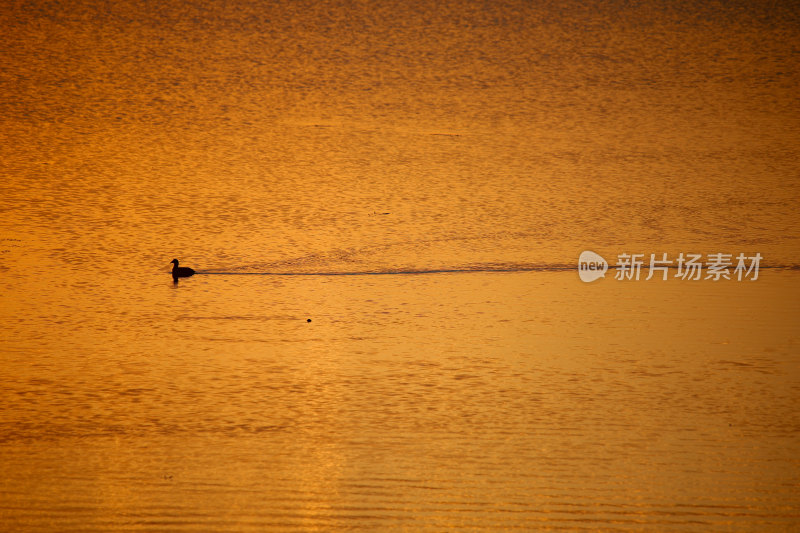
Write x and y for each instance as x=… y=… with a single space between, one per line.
x=418 y=181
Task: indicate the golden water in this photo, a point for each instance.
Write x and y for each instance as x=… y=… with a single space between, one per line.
x=454 y=157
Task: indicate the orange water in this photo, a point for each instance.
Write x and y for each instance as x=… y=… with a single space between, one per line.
x=457 y=157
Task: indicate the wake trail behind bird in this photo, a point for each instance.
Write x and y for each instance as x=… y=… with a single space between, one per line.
x=399 y=272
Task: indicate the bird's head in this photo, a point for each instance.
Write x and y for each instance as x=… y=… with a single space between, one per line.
x=174 y=261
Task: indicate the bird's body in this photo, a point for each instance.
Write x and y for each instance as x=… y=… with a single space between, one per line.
x=179 y=271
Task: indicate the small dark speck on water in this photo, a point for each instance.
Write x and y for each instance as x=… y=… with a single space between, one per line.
x=309 y=320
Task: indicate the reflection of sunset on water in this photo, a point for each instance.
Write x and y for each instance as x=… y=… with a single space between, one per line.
x=385 y=205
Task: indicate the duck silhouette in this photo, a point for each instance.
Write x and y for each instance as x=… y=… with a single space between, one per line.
x=179 y=271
